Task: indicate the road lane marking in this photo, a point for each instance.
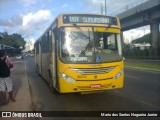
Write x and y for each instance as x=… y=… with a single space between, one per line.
x=127 y=75
x=137 y=99
x=149 y=104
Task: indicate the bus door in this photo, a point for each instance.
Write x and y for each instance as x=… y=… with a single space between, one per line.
x=54 y=60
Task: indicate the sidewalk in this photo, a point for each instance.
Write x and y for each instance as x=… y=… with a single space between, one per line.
x=21 y=90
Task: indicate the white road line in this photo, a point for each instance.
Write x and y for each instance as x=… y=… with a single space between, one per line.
x=149 y=104
x=127 y=75
x=139 y=100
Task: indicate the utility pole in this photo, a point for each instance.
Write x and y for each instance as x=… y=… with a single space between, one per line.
x=105 y=8
x=101 y=8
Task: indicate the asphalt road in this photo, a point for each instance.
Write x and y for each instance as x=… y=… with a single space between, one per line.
x=140 y=93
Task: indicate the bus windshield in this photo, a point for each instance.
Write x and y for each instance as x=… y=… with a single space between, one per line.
x=84 y=45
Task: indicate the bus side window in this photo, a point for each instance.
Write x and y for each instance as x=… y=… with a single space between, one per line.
x=111 y=42
x=53 y=41
x=43 y=45
x=47 y=42
x=50 y=41
x=55 y=37
x=105 y=41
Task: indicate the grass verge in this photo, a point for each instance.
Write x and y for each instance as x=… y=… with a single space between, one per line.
x=156 y=67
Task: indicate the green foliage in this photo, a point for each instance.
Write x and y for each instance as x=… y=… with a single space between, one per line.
x=15 y=40
x=140 y=65
x=135 y=52
x=144 y=39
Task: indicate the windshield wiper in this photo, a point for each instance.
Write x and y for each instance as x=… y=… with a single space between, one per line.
x=88 y=37
x=77 y=27
x=109 y=26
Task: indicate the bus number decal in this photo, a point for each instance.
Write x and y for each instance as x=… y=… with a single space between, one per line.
x=79 y=59
x=82 y=76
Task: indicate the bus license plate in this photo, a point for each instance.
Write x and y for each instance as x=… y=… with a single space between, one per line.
x=95 y=86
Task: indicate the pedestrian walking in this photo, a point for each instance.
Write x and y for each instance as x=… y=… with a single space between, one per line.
x=6 y=85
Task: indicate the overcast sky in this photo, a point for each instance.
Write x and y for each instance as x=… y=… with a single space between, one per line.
x=30 y=18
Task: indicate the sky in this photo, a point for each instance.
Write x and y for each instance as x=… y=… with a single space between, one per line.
x=30 y=18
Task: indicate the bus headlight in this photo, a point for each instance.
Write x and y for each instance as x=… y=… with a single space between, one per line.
x=67 y=78
x=118 y=75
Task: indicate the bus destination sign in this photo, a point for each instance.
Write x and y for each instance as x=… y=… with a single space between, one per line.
x=90 y=19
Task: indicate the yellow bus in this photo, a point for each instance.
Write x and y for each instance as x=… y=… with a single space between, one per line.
x=81 y=53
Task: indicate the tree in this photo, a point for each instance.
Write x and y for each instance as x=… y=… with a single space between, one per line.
x=136 y=52
x=15 y=40
x=143 y=39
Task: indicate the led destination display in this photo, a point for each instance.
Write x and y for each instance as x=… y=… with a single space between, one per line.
x=92 y=19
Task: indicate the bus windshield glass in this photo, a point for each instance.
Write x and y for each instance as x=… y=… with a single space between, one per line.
x=85 y=45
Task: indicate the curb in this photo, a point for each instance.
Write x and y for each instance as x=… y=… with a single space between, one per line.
x=143 y=68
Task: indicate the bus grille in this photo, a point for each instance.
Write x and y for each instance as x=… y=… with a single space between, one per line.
x=88 y=71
